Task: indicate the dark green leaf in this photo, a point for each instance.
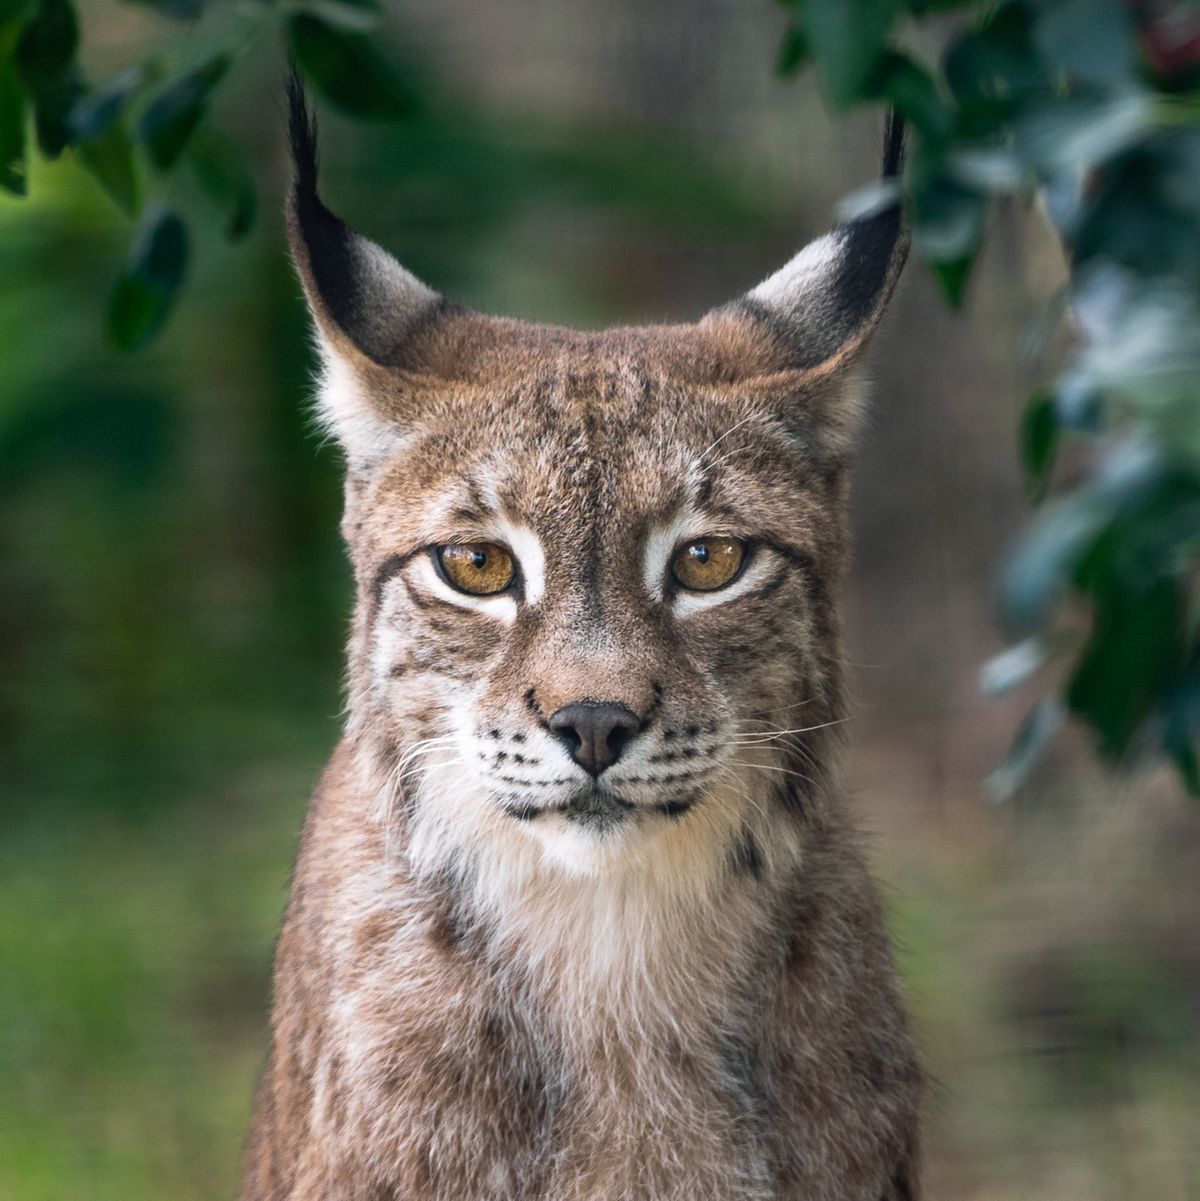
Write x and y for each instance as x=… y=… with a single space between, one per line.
x=1092 y=41
x=48 y=44
x=349 y=70
x=52 y=111
x=95 y=112
x=176 y=110
x=847 y=38
x=1033 y=739
x=1039 y=441
x=109 y=160
x=794 y=51
x=177 y=10
x=1127 y=663
x=357 y=16
x=952 y=276
x=13 y=14
x=145 y=291
x=948 y=225
x=226 y=180
x=12 y=130
x=991 y=69
x=912 y=91
x=1188 y=766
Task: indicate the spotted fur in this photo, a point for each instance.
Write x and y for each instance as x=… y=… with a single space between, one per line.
x=497 y=979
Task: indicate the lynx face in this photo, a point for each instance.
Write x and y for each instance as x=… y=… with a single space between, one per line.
x=595 y=571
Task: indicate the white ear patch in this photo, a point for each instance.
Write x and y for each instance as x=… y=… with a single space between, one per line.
x=802 y=280
x=346 y=413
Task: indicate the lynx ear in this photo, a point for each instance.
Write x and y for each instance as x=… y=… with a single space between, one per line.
x=824 y=304
x=366 y=307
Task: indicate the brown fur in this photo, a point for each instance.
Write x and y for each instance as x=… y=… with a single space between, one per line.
x=486 y=992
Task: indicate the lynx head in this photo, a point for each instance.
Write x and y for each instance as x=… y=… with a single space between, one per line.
x=596 y=572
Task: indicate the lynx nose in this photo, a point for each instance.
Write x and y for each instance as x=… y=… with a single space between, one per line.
x=595 y=732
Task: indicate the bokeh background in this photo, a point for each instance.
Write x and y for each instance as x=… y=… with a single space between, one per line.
x=173 y=600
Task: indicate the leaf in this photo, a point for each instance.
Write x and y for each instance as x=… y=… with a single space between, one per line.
x=176 y=110
x=948 y=225
x=1039 y=441
x=847 y=38
x=145 y=291
x=348 y=70
x=991 y=69
x=1033 y=739
x=95 y=112
x=913 y=92
x=1093 y=41
x=356 y=16
x=52 y=110
x=12 y=130
x=47 y=45
x=13 y=14
x=794 y=51
x=177 y=10
x=1011 y=668
x=1188 y=766
x=1127 y=663
x=109 y=160
x=226 y=180
x=1045 y=560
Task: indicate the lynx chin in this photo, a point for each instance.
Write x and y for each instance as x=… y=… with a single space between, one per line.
x=578 y=914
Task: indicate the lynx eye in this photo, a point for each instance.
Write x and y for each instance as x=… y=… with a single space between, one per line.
x=477 y=568
x=708 y=563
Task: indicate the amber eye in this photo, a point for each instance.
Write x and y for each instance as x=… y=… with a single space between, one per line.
x=708 y=563
x=479 y=568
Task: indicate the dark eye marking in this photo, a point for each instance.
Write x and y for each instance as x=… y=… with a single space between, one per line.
x=384 y=572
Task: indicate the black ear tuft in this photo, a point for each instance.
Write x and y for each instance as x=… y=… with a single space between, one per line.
x=302 y=133
x=893 y=145
x=357 y=292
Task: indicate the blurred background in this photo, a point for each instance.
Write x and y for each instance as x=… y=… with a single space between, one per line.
x=173 y=600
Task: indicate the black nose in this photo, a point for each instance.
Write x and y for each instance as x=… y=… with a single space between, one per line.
x=595 y=732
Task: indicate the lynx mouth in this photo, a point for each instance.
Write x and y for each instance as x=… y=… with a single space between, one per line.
x=598 y=809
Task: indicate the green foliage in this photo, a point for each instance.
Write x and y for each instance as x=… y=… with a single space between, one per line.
x=134 y=132
x=1096 y=105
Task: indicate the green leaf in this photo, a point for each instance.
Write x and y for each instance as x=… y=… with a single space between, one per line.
x=52 y=111
x=1093 y=41
x=1127 y=663
x=948 y=226
x=1033 y=739
x=348 y=70
x=991 y=69
x=176 y=110
x=109 y=160
x=177 y=10
x=145 y=291
x=355 y=16
x=96 y=112
x=913 y=92
x=48 y=44
x=12 y=130
x=847 y=38
x=13 y=14
x=226 y=180
x=1039 y=441
x=1188 y=766
x=794 y=51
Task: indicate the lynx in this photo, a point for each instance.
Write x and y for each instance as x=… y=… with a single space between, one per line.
x=578 y=913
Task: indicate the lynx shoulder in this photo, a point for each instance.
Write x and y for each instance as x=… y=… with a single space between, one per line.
x=577 y=914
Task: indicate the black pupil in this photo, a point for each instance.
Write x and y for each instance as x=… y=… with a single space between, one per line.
x=699 y=552
x=479 y=559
